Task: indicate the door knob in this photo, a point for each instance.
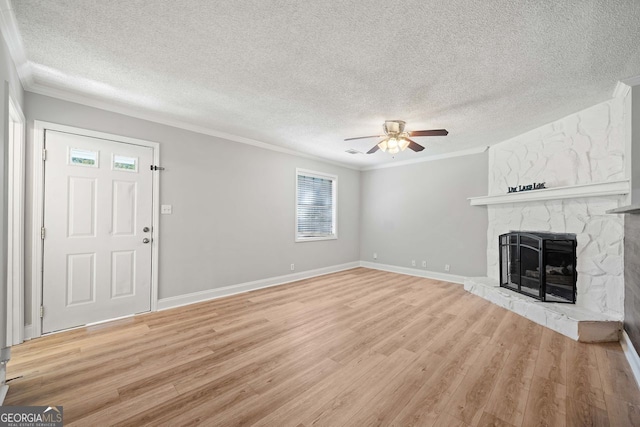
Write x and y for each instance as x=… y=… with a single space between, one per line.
x=146 y=229
x=145 y=240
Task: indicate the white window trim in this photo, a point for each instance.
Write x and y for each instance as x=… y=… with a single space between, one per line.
x=334 y=179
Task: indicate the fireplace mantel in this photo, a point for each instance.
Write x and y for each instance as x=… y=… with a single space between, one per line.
x=570 y=192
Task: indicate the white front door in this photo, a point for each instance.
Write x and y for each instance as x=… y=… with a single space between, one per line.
x=97 y=230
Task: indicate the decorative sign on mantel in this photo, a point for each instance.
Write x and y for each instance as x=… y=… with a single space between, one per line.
x=534 y=186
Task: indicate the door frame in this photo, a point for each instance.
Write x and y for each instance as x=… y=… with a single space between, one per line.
x=15 y=219
x=38 y=211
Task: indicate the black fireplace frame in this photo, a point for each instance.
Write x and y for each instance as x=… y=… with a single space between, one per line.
x=542 y=239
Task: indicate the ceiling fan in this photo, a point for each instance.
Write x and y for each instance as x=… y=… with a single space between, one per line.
x=396 y=139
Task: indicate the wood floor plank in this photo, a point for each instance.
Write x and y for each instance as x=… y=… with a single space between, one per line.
x=309 y=402
x=404 y=335
x=471 y=396
x=552 y=359
x=124 y=408
x=488 y=324
x=582 y=414
x=583 y=376
x=446 y=420
x=430 y=330
x=490 y=420
x=429 y=401
x=361 y=392
x=254 y=408
x=615 y=373
x=622 y=413
x=397 y=393
x=546 y=405
x=358 y=347
x=509 y=396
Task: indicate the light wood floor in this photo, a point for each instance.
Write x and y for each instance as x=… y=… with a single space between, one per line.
x=356 y=348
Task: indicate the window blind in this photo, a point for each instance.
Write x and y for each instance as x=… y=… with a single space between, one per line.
x=315 y=208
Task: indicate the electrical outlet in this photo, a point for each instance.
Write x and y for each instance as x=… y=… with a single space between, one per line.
x=375 y=255
x=166 y=209
x=413 y=263
x=447 y=267
x=293 y=267
x=424 y=264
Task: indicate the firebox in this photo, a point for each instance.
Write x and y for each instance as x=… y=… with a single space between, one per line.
x=540 y=265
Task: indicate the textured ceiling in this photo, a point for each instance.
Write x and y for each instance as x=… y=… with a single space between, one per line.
x=306 y=75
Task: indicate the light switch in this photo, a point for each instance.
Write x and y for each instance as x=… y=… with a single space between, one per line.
x=166 y=209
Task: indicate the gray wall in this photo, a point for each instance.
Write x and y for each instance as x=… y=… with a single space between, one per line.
x=635 y=145
x=233 y=204
x=420 y=212
x=632 y=278
x=11 y=84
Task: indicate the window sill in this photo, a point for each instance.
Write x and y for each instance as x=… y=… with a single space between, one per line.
x=314 y=239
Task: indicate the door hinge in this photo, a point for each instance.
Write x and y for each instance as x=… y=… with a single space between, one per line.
x=156 y=168
x=41 y=311
x=44 y=154
x=42 y=233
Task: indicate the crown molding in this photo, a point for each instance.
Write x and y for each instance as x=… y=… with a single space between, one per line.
x=622 y=88
x=632 y=81
x=9 y=30
x=102 y=104
x=476 y=150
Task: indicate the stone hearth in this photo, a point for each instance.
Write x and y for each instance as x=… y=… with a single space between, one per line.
x=574 y=322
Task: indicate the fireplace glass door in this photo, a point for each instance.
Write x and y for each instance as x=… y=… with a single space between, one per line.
x=540 y=265
x=510 y=277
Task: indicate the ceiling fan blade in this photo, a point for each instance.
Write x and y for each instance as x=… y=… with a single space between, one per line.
x=365 y=137
x=374 y=149
x=414 y=145
x=432 y=132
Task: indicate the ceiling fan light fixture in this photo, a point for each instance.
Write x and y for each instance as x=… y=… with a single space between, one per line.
x=393 y=145
x=396 y=139
x=394 y=150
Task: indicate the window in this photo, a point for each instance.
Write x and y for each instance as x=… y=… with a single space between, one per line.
x=82 y=157
x=315 y=206
x=124 y=163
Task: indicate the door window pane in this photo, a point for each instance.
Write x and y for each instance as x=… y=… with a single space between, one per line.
x=81 y=157
x=124 y=163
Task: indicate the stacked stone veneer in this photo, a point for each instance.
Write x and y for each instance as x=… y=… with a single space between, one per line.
x=584 y=148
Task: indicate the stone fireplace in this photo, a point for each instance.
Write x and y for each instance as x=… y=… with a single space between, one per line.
x=582 y=161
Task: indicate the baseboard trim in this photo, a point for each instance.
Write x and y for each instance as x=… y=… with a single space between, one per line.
x=181 y=300
x=454 y=278
x=631 y=354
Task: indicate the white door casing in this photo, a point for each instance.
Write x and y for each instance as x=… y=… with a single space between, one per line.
x=98 y=199
x=15 y=222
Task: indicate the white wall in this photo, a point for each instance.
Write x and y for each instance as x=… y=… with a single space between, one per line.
x=583 y=148
x=233 y=204
x=420 y=212
x=11 y=84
